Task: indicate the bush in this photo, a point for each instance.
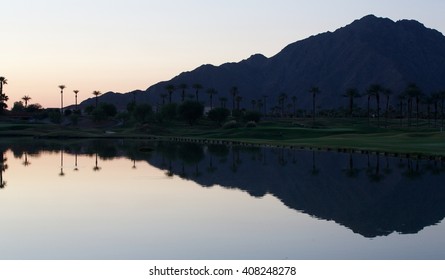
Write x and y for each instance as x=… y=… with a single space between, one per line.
x=230 y=125
x=142 y=113
x=252 y=116
x=169 y=111
x=218 y=115
x=191 y=111
x=109 y=109
x=55 y=116
x=251 y=124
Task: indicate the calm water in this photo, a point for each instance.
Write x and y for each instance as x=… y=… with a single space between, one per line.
x=150 y=200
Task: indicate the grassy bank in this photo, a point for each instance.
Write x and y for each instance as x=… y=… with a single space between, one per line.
x=328 y=133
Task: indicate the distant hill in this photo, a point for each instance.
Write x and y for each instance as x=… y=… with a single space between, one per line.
x=369 y=50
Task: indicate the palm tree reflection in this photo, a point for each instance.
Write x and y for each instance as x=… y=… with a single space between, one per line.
x=3 y=167
x=96 y=167
x=61 y=174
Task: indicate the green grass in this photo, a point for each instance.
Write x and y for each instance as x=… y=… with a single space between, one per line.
x=327 y=133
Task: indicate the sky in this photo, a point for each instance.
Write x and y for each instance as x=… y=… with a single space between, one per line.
x=123 y=45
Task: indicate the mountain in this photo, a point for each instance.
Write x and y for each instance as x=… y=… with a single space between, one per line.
x=369 y=50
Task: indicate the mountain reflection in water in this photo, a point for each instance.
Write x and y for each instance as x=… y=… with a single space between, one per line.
x=373 y=195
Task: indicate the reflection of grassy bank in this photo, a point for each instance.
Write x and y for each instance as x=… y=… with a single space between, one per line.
x=328 y=134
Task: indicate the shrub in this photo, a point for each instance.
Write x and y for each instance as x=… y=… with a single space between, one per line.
x=251 y=124
x=191 y=111
x=252 y=116
x=230 y=125
x=218 y=115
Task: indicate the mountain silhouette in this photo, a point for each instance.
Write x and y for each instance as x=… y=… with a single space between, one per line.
x=369 y=50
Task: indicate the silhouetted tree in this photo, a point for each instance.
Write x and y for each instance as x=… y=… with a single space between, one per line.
x=218 y=115
x=3 y=97
x=211 y=92
x=96 y=93
x=191 y=111
x=314 y=91
x=223 y=101
x=26 y=98
x=387 y=93
x=76 y=91
x=351 y=94
x=234 y=92
x=197 y=88
x=294 y=103
x=375 y=90
x=62 y=87
x=183 y=87
x=170 y=88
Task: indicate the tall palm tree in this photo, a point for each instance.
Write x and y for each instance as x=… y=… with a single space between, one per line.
x=3 y=167
x=3 y=97
x=375 y=90
x=96 y=93
x=163 y=96
x=239 y=98
x=314 y=91
x=76 y=91
x=436 y=99
x=253 y=102
x=234 y=92
x=223 y=101
x=413 y=92
x=401 y=98
x=3 y=81
x=294 y=103
x=387 y=93
x=197 y=88
x=211 y=92
x=26 y=98
x=62 y=87
x=351 y=94
x=170 y=88
x=281 y=101
x=265 y=104
x=183 y=88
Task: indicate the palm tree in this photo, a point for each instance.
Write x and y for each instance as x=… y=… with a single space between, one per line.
x=351 y=93
x=281 y=100
x=375 y=90
x=211 y=92
x=223 y=101
x=26 y=98
x=3 y=167
x=3 y=81
x=163 y=96
x=238 y=101
x=197 y=87
x=253 y=102
x=76 y=91
x=314 y=91
x=387 y=93
x=96 y=167
x=412 y=91
x=234 y=92
x=436 y=99
x=62 y=87
x=265 y=104
x=401 y=98
x=96 y=93
x=183 y=87
x=294 y=103
x=170 y=88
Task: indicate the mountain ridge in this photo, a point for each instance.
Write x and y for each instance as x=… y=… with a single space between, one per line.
x=368 y=50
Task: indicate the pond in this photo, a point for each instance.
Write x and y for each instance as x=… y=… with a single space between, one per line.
x=133 y=200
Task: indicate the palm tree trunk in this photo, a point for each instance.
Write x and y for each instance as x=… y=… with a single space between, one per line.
x=313 y=108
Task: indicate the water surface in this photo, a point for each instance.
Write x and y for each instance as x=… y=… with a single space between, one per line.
x=161 y=200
